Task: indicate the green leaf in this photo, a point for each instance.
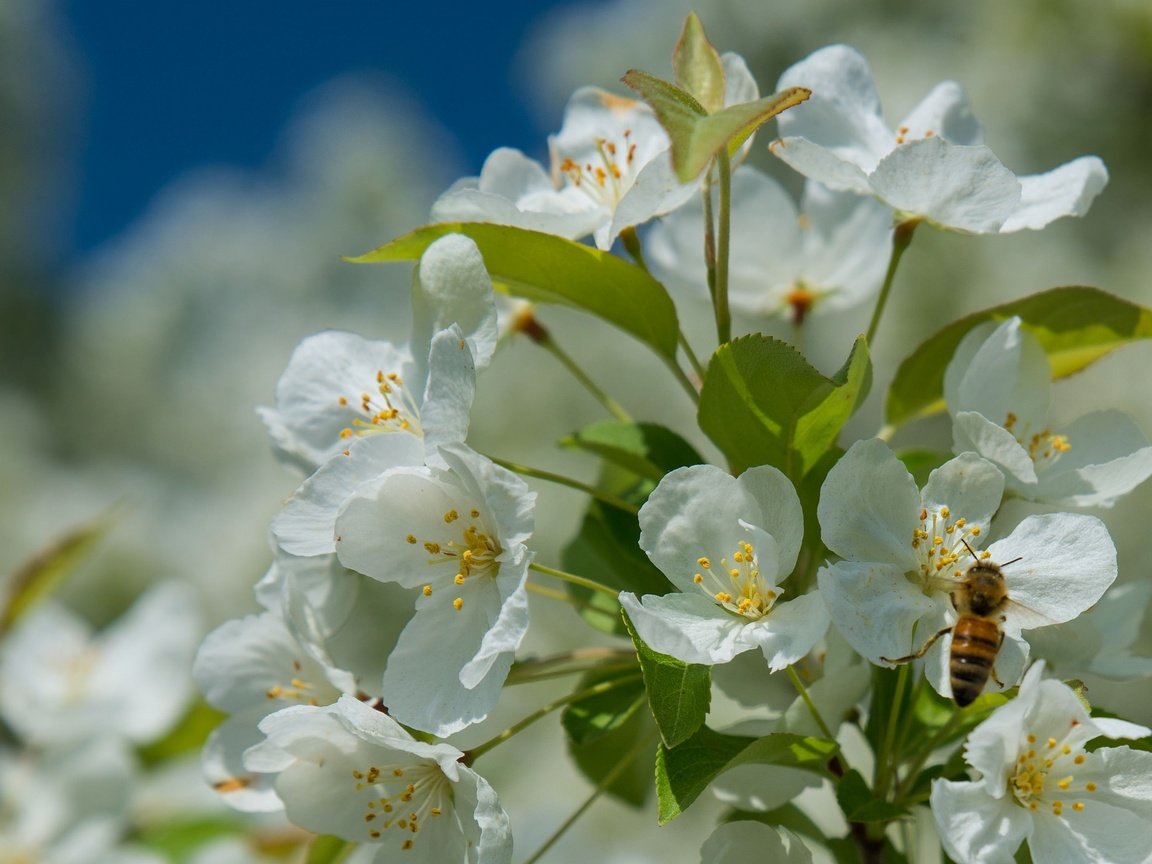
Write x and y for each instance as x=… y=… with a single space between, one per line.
x=763 y=404
x=601 y=755
x=683 y=772
x=921 y=463
x=606 y=549
x=550 y=269
x=645 y=449
x=787 y=816
x=1076 y=326
x=327 y=850
x=697 y=65
x=179 y=841
x=589 y=718
x=679 y=693
x=860 y=805
x=40 y=575
x=188 y=735
x=698 y=136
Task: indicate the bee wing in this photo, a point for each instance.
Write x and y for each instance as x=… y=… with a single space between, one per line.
x=1022 y=617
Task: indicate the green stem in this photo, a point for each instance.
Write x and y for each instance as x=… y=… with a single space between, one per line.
x=884 y=759
x=596 y=689
x=574 y=579
x=601 y=787
x=723 y=239
x=812 y=709
x=937 y=739
x=565 y=597
x=613 y=407
x=541 y=474
x=693 y=360
x=901 y=239
x=569 y=662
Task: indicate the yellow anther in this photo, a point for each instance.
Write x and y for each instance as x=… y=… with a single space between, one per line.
x=411 y=538
x=704 y=562
x=458 y=604
x=451 y=516
x=698 y=578
x=1079 y=760
x=1064 y=783
x=1051 y=743
x=945 y=512
x=1091 y=787
x=427 y=590
x=1078 y=806
x=1031 y=738
x=474 y=513
x=459 y=579
x=724 y=597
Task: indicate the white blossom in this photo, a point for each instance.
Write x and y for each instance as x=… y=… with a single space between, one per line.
x=726 y=543
x=933 y=166
x=1037 y=782
x=351 y=771
x=998 y=388
x=905 y=551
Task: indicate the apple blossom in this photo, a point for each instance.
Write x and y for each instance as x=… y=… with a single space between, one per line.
x=904 y=551
x=830 y=255
x=998 y=386
x=934 y=166
x=1038 y=783
x=725 y=543
x=354 y=772
x=610 y=170
x=456 y=532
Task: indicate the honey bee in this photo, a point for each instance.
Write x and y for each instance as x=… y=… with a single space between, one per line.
x=980 y=599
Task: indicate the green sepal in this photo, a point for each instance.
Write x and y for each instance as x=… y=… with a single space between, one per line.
x=860 y=805
x=683 y=772
x=762 y=403
x=1075 y=325
x=697 y=65
x=698 y=136
x=679 y=693
x=594 y=716
x=550 y=269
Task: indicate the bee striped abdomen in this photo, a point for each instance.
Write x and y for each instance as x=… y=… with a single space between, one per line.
x=975 y=643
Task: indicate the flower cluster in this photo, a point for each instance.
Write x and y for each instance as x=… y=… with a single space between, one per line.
x=397 y=603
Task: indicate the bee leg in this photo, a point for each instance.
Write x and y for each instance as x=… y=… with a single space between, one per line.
x=994 y=676
x=922 y=651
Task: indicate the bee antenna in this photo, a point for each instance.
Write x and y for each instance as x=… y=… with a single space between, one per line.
x=1013 y=561
x=969 y=548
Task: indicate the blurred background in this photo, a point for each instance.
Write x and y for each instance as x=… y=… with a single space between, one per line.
x=177 y=186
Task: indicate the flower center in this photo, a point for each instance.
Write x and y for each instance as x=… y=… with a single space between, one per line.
x=475 y=553
x=939 y=542
x=1044 y=447
x=737 y=584
x=606 y=176
x=296 y=690
x=388 y=408
x=401 y=799
x=1044 y=776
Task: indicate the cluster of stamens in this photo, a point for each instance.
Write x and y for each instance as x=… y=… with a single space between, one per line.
x=902 y=134
x=1042 y=445
x=474 y=554
x=400 y=799
x=940 y=542
x=603 y=182
x=385 y=410
x=1044 y=771
x=742 y=588
x=298 y=690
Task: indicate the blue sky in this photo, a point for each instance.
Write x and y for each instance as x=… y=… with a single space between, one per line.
x=169 y=86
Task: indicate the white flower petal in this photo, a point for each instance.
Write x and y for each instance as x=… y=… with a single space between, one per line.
x=975 y=432
x=882 y=529
x=451 y=389
x=944 y=112
x=964 y=188
x=1067 y=563
x=689 y=627
x=969 y=486
x=1106 y=835
x=741 y=841
x=821 y=164
x=1065 y=191
x=791 y=629
x=975 y=828
x=875 y=608
x=1109 y=457
x=843 y=113
x=998 y=371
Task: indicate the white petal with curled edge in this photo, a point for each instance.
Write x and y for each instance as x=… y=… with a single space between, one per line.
x=821 y=164
x=944 y=112
x=1064 y=191
x=690 y=627
x=976 y=828
x=976 y=433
